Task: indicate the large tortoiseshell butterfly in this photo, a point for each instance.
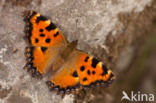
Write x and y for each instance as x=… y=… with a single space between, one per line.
x=49 y=50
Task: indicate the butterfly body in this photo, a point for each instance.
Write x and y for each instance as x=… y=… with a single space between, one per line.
x=48 y=50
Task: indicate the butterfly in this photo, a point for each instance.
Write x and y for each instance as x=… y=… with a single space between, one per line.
x=48 y=51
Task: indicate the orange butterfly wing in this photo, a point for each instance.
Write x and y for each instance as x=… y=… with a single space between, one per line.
x=45 y=42
x=46 y=49
x=92 y=71
x=80 y=70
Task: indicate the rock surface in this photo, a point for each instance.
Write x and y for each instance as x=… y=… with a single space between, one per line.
x=108 y=29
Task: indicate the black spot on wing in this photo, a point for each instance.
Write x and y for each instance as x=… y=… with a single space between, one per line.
x=36 y=40
x=93 y=72
x=75 y=74
x=84 y=79
x=94 y=62
x=88 y=72
x=41 y=30
x=104 y=70
x=51 y=27
x=82 y=68
x=57 y=33
x=44 y=49
x=42 y=35
x=48 y=40
x=86 y=59
x=41 y=18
